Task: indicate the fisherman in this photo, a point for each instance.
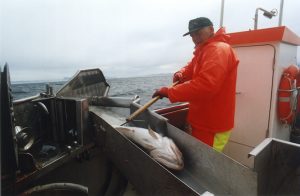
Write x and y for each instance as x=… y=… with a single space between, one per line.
x=208 y=83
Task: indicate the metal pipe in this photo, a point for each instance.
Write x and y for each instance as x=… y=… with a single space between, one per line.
x=58 y=186
x=26 y=99
x=256 y=18
x=222 y=13
x=280 y=13
x=266 y=13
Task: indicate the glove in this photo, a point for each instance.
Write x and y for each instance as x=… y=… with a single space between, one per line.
x=178 y=77
x=162 y=92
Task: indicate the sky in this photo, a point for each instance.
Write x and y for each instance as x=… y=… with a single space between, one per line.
x=52 y=39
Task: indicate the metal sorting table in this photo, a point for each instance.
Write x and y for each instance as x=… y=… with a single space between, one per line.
x=205 y=169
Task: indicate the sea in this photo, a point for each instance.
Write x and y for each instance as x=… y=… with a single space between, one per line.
x=143 y=86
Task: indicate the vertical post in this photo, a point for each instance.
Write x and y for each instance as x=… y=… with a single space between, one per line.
x=222 y=13
x=280 y=13
x=256 y=18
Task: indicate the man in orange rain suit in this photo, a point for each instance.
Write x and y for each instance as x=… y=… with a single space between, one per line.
x=208 y=83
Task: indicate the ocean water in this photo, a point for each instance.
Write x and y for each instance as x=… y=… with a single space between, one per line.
x=144 y=87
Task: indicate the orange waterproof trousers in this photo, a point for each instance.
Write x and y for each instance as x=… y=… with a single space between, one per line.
x=215 y=140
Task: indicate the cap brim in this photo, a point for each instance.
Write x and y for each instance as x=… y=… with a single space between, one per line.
x=186 y=34
x=192 y=31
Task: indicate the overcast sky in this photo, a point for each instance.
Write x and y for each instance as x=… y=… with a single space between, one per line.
x=52 y=39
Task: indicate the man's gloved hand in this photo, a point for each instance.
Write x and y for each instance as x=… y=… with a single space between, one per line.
x=178 y=77
x=162 y=92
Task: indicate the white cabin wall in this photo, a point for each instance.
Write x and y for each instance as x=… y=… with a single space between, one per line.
x=254 y=84
x=259 y=73
x=286 y=55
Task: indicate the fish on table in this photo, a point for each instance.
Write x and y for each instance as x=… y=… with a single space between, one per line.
x=160 y=148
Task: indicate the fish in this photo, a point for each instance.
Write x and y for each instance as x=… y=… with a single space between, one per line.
x=160 y=148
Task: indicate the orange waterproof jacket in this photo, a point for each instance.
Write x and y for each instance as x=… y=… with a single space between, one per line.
x=209 y=85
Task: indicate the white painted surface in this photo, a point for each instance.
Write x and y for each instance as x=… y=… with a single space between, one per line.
x=253 y=99
x=254 y=84
x=286 y=55
x=256 y=118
